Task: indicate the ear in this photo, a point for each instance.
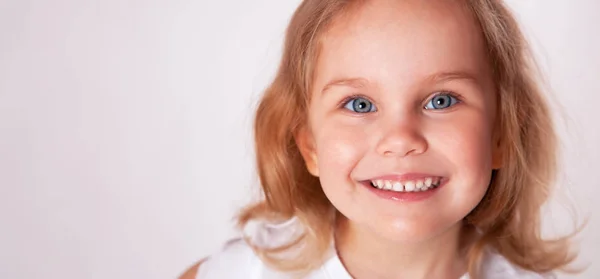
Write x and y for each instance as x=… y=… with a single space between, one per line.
x=305 y=142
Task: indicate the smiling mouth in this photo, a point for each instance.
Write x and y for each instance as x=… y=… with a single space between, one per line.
x=417 y=185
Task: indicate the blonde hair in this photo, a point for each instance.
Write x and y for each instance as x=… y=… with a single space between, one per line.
x=509 y=214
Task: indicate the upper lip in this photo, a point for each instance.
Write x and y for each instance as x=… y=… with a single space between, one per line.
x=403 y=177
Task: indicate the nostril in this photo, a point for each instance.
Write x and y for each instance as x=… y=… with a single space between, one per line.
x=391 y=153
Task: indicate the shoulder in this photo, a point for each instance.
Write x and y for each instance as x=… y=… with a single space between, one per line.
x=191 y=272
x=496 y=266
x=235 y=260
x=238 y=260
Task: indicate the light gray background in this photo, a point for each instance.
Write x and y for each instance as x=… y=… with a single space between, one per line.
x=125 y=140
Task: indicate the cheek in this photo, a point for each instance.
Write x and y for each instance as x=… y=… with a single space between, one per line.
x=467 y=146
x=339 y=146
x=339 y=149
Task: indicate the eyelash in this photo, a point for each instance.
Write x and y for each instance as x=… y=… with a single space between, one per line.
x=457 y=96
x=347 y=100
x=454 y=95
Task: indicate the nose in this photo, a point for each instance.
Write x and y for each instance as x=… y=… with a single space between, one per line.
x=401 y=139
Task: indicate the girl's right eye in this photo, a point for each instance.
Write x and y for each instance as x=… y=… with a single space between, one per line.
x=360 y=105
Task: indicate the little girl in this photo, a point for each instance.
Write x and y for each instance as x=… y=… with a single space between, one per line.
x=399 y=139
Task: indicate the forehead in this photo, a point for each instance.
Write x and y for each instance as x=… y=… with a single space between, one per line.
x=401 y=42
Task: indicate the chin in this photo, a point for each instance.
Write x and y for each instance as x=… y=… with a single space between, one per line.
x=412 y=231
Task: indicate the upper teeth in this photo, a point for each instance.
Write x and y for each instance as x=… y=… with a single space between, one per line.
x=407 y=186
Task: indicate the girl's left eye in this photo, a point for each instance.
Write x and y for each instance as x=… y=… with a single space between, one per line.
x=360 y=105
x=441 y=101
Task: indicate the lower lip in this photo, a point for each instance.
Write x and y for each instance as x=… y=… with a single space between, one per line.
x=404 y=196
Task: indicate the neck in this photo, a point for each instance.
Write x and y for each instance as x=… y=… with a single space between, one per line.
x=365 y=255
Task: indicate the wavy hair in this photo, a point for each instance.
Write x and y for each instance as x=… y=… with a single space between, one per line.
x=509 y=214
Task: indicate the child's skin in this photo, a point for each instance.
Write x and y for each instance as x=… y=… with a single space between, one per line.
x=400 y=54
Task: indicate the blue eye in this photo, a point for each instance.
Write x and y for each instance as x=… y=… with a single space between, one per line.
x=360 y=105
x=441 y=101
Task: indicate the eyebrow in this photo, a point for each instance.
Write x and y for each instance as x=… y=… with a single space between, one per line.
x=439 y=77
x=350 y=82
x=448 y=76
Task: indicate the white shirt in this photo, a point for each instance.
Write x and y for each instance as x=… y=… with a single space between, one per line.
x=238 y=260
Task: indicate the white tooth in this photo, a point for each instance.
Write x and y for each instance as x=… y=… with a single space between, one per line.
x=409 y=186
x=398 y=187
x=388 y=185
x=379 y=184
x=420 y=184
x=428 y=181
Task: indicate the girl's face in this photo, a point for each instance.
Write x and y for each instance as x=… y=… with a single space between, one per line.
x=403 y=100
